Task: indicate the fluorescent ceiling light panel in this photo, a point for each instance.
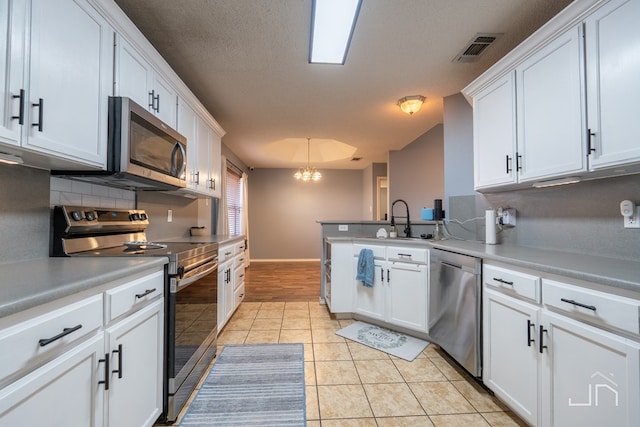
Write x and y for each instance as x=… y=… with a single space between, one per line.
x=332 y=24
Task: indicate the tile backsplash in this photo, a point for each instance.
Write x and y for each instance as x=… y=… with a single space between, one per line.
x=76 y=193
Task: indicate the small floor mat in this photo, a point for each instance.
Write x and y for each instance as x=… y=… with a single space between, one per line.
x=392 y=342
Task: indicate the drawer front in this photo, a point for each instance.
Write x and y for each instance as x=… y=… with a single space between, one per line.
x=413 y=255
x=378 y=251
x=225 y=253
x=607 y=310
x=239 y=294
x=133 y=296
x=239 y=275
x=512 y=282
x=238 y=247
x=29 y=344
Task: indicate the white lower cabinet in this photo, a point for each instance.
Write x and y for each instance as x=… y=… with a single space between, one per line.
x=231 y=270
x=75 y=370
x=399 y=293
x=590 y=376
x=64 y=392
x=511 y=369
x=561 y=365
x=338 y=286
x=407 y=300
x=135 y=347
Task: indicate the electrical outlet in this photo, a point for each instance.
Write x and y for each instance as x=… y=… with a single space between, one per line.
x=343 y=227
x=508 y=217
x=634 y=220
x=169 y=215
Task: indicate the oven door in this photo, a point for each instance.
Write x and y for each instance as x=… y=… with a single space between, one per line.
x=191 y=334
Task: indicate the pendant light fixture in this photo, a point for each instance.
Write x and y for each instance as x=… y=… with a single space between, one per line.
x=308 y=173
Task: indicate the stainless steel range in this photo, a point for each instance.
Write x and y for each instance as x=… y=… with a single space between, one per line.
x=191 y=287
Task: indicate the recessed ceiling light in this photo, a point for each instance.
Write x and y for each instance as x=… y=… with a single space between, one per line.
x=332 y=24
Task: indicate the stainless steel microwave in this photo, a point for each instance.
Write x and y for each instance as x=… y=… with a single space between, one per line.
x=143 y=152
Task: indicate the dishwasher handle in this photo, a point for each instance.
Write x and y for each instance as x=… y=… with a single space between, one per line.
x=458 y=267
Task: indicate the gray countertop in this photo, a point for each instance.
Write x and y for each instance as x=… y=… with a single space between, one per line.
x=27 y=284
x=619 y=273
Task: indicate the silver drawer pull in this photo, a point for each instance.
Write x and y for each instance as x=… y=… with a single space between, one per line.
x=503 y=281
x=145 y=293
x=64 y=333
x=570 y=301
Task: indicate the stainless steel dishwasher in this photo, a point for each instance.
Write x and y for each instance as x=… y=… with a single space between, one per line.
x=455 y=307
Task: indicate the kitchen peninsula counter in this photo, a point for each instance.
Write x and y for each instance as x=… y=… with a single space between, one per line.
x=27 y=284
x=618 y=273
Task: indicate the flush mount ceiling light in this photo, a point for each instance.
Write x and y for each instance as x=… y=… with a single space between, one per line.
x=411 y=104
x=10 y=159
x=308 y=173
x=332 y=25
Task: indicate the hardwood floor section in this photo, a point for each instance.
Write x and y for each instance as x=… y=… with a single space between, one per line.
x=282 y=281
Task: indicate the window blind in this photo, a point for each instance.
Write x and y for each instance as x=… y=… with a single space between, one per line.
x=234 y=201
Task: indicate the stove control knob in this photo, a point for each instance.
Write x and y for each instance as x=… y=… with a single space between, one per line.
x=143 y=216
x=76 y=215
x=134 y=217
x=90 y=215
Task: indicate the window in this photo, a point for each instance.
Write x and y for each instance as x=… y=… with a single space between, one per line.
x=235 y=201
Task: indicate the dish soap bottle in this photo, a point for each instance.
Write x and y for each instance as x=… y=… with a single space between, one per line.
x=393 y=233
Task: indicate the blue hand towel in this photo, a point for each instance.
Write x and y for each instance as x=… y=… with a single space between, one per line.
x=366 y=267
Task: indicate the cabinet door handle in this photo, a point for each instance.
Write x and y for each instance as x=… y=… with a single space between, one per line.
x=509 y=169
x=119 y=370
x=518 y=162
x=40 y=106
x=497 y=279
x=152 y=99
x=20 y=116
x=590 y=144
x=212 y=184
x=106 y=371
x=145 y=293
x=196 y=178
x=579 y=304
x=529 y=339
x=388 y=275
x=156 y=100
x=541 y=342
x=382 y=274
x=64 y=333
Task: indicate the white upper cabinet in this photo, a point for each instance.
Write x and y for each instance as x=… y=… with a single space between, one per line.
x=59 y=108
x=12 y=47
x=572 y=87
x=550 y=110
x=613 y=59
x=494 y=133
x=203 y=151
x=137 y=79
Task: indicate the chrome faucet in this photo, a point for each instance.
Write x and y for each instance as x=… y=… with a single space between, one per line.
x=407 y=229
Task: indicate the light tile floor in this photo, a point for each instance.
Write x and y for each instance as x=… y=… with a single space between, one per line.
x=351 y=385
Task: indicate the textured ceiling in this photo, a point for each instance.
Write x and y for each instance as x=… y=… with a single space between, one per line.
x=247 y=62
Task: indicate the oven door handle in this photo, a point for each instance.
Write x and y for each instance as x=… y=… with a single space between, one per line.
x=181 y=283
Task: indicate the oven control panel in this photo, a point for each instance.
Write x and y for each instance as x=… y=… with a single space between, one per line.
x=82 y=218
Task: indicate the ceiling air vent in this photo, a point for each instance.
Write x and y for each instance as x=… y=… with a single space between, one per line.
x=356 y=159
x=476 y=47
